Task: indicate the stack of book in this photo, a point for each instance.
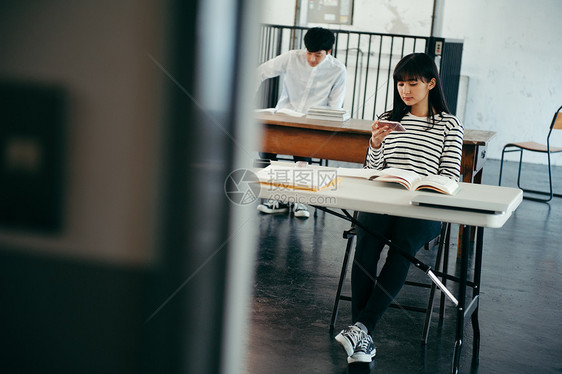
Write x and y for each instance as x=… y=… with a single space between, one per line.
x=328 y=114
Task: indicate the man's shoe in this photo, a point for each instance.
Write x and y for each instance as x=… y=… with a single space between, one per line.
x=273 y=206
x=364 y=352
x=300 y=210
x=349 y=338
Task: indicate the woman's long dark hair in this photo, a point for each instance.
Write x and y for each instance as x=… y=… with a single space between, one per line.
x=412 y=67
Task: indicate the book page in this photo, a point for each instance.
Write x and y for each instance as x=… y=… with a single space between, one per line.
x=266 y=110
x=290 y=112
x=358 y=173
x=437 y=183
x=404 y=177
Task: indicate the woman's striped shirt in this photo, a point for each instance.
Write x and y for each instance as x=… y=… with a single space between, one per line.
x=424 y=148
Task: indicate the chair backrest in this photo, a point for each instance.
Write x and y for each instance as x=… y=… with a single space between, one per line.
x=556 y=124
x=557 y=121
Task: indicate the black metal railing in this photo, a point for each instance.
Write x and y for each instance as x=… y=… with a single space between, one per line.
x=370 y=59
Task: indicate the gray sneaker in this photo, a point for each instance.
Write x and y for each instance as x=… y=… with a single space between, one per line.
x=364 y=352
x=349 y=338
x=273 y=206
x=300 y=211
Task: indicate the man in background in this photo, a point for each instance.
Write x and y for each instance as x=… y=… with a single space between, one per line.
x=313 y=78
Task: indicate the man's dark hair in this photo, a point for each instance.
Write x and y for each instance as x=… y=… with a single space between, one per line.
x=319 y=39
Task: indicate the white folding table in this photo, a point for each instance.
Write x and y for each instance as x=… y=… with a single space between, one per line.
x=474 y=205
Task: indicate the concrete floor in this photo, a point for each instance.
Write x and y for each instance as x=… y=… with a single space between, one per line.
x=520 y=312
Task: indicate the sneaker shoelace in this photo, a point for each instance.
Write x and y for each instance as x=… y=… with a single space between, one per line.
x=364 y=345
x=354 y=334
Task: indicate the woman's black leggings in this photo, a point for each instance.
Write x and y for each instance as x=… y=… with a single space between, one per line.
x=372 y=295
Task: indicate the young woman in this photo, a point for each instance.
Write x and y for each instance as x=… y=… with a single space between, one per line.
x=431 y=144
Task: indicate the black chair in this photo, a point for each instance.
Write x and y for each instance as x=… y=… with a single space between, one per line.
x=556 y=124
x=441 y=264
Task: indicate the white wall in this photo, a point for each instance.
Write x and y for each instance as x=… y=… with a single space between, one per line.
x=386 y=16
x=511 y=58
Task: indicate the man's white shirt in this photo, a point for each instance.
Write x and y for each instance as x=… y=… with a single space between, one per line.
x=305 y=87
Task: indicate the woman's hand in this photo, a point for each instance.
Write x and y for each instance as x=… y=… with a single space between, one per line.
x=378 y=134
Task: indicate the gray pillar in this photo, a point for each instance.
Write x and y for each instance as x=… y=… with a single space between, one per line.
x=200 y=285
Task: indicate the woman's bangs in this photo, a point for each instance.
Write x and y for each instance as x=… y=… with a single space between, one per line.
x=409 y=71
x=404 y=76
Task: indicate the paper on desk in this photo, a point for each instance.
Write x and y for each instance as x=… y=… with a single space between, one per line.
x=358 y=173
x=291 y=176
x=286 y=111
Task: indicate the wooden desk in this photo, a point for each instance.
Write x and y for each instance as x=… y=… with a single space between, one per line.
x=348 y=141
x=474 y=154
x=300 y=136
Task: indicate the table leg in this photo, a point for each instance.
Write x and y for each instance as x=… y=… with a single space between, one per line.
x=462 y=300
x=468 y=176
x=476 y=292
x=476 y=179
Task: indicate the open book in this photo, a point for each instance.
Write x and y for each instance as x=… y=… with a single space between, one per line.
x=412 y=181
x=284 y=175
x=286 y=111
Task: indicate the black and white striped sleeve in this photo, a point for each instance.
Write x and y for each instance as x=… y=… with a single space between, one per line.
x=375 y=158
x=450 y=163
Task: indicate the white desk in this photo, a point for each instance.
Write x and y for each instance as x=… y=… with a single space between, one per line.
x=384 y=198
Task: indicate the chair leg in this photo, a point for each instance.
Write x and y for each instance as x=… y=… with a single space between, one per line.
x=519 y=170
x=445 y=232
x=501 y=168
x=550 y=193
x=445 y=269
x=349 y=246
x=550 y=177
